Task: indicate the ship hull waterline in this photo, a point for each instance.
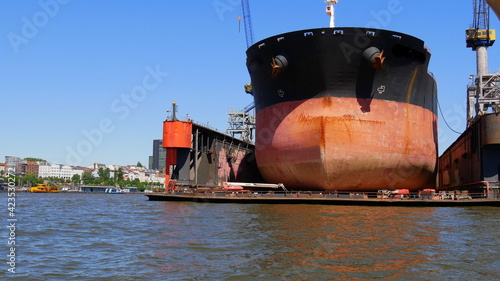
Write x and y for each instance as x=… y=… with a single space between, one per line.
x=331 y=117
x=305 y=146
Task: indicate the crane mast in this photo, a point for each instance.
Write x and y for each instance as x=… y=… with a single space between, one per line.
x=481 y=15
x=483 y=92
x=247 y=19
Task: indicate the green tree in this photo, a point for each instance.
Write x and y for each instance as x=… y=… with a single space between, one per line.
x=32 y=179
x=140 y=186
x=104 y=175
x=34 y=159
x=119 y=174
x=139 y=164
x=118 y=177
x=76 y=178
x=88 y=178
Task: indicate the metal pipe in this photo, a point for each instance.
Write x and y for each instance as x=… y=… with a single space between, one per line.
x=482 y=61
x=196 y=157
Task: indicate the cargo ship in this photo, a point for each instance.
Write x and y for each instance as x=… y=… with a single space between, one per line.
x=344 y=108
x=347 y=116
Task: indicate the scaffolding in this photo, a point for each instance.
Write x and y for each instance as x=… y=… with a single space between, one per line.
x=241 y=123
x=483 y=96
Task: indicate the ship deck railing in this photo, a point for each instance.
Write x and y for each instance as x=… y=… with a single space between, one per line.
x=340 y=195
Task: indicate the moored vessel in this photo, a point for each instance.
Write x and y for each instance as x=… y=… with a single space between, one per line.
x=344 y=108
x=43 y=188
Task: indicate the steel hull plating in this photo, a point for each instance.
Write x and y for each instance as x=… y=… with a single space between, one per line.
x=321 y=144
x=329 y=119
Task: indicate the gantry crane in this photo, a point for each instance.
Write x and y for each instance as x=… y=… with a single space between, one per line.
x=483 y=92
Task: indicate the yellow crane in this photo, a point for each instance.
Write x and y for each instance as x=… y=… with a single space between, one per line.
x=480 y=34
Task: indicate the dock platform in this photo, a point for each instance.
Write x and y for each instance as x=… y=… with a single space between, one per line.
x=317 y=198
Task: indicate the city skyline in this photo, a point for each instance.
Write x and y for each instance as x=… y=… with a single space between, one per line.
x=90 y=165
x=16 y=166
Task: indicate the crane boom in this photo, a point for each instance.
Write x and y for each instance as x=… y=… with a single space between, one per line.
x=247 y=19
x=480 y=35
x=481 y=15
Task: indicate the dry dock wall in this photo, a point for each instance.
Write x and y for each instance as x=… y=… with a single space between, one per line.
x=210 y=159
x=474 y=157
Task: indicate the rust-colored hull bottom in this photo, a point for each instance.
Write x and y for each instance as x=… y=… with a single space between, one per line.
x=329 y=143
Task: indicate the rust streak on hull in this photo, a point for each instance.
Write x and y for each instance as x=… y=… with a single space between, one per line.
x=330 y=144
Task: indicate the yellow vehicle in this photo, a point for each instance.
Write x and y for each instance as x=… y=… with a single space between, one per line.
x=43 y=188
x=475 y=38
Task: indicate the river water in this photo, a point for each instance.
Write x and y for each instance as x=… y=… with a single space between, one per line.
x=74 y=236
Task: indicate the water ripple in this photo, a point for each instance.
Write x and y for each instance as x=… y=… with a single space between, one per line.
x=125 y=237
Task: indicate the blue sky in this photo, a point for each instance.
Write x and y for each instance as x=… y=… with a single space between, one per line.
x=91 y=81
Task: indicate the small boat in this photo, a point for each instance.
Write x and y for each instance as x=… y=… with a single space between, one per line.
x=113 y=191
x=43 y=188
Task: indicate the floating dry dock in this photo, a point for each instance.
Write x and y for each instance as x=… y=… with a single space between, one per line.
x=353 y=198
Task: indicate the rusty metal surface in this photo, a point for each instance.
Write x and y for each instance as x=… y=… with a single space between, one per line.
x=329 y=144
x=495 y=5
x=490 y=129
x=465 y=161
x=213 y=159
